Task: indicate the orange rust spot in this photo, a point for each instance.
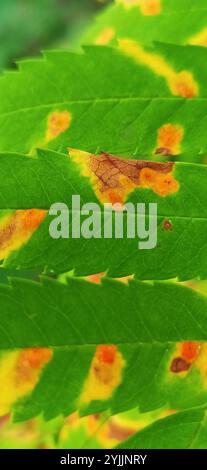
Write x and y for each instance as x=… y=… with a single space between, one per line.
x=29 y=362
x=105 y=37
x=180 y=83
x=147 y=7
x=186 y=354
x=32 y=218
x=150 y=7
x=114 y=178
x=34 y=358
x=167 y=225
x=190 y=351
x=169 y=139
x=184 y=85
x=199 y=39
x=161 y=183
x=19 y=373
x=17 y=228
x=104 y=375
x=58 y=122
x=106 y=354
x=114 y=197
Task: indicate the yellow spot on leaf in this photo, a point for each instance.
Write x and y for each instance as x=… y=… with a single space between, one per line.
x=17 y=228
x=199 y=39
x=180 y=83
x=129 y=3
x=169 y=139
x=58 y=122
x=19 y=373
x=114 y=178
x=147 y=7
x=201 y=363
x=104 y=376
x=105 y=36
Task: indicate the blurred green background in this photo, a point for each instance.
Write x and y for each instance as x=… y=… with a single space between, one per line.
x=28 y=26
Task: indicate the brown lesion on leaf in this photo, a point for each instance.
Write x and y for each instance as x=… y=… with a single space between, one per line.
x=167 y=225
x=17 y=228
x=57 y=122
x=186 y=355
x=31 y=360
x=105 y=37
x=169 y=139
x=19 y=373
x=105 y=374
x=179 y=365
x=114 y=178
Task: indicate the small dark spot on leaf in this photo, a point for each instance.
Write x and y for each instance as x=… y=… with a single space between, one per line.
x=167 y=225
x=179 y=365
x=162 y=151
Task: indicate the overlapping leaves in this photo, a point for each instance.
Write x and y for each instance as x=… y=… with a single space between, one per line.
x=71 y=100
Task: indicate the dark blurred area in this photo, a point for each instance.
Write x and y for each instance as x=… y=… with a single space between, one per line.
x=28 y=26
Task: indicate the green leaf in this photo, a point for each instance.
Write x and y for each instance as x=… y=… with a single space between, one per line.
x=38 y=182
x=116 y=112
x=66 y=318
x=176 y=22
x=31 y=326
x=186 y=430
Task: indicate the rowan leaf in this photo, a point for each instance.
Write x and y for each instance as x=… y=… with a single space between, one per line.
x=170 y=21
x=157 y=358
x=138 y=110
x=179 y=190
x=185 y=430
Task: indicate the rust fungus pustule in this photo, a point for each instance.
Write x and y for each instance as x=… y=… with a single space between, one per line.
x=169 y=139
x=17 y=228
x=190 y=350
x=105 y=374
x=187 y=353
x=114 y=178
x=19 y=373
x=58 y=122
x=147 y=7
x=167 y=225
x=150 y=7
